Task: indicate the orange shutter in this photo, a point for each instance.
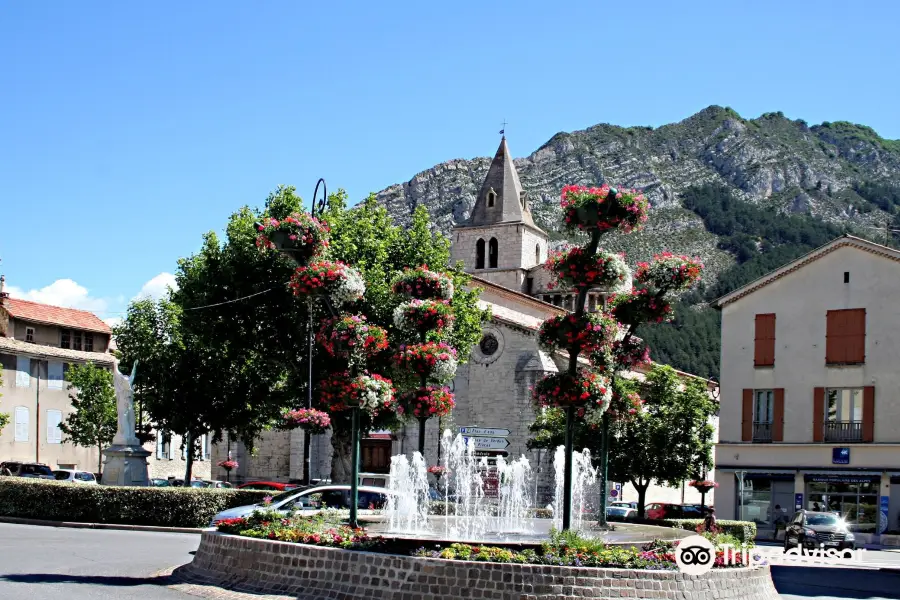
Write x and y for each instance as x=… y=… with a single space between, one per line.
x=764 y=341
x=778 y=416
x=856 y=336
x=834 y=333
x=868 y=414
x=747 y=423
x=818 y=414
x=845 y=337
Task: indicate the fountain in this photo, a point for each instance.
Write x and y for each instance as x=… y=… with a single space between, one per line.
x=407 y=506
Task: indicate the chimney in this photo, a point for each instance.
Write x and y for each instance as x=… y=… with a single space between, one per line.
x=3 y=293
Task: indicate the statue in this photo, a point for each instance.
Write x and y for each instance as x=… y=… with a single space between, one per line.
x=125 y=407
x=126 y=459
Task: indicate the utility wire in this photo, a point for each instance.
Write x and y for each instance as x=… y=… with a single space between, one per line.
x=229 y=301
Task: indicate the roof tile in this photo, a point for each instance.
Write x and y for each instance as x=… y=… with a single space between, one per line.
x=55 y=315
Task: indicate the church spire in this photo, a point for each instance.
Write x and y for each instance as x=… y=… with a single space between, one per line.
x=501 y=198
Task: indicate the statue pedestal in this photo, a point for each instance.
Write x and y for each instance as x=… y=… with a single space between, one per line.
x=125 y=465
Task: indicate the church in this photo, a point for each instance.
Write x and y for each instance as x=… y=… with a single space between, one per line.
x=504 y=250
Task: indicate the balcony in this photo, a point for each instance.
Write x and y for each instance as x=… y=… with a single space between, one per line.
x=762 y=432
x=843 y=431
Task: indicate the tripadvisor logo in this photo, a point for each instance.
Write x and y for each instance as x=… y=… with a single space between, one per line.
x=695 y=555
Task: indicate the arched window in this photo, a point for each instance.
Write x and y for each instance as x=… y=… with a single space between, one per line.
x=537 y=253
x=491 y=197
x=479 y=254
x=492 y=253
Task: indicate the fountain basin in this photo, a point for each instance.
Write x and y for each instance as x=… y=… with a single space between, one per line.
x=284 y=570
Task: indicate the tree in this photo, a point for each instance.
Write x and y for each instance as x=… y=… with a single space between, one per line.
x=668 y=440
x=95 y=418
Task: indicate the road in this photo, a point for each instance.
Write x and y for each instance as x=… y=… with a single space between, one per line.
x=46 y=563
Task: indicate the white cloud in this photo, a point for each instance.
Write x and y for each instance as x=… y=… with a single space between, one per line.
x=113 y=321
x=158 y=287
x=63 y=292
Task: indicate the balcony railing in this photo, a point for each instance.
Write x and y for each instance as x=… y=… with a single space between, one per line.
x=762 y=431
x=843 y=431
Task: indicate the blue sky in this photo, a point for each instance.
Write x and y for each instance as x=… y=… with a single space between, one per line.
x=129 y=129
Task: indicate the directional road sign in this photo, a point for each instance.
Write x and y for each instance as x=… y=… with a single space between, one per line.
x=488 y=443
x=484 y=431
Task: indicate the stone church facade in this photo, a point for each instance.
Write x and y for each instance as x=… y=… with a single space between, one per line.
x=504 y=251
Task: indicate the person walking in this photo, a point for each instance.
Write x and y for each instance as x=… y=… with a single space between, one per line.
x=779 y=521
x=709 y=523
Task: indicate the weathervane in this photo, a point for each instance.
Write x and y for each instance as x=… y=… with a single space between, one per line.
x=503 y=131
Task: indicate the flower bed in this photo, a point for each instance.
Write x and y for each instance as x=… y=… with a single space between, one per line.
x=351 y=335
x=587 y=388
x=314 y=421
x=429 y=401
x=318 y=530
x=576 y=268
x=299 y=234
x=434 y=360
x=603 y=208
x=669 y=272
x=424 y=284
x=420 y=316
x=340 y=282
x=592 y=332
x=373 y=393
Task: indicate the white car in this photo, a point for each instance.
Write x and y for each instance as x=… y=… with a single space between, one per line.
x=325 y=496
x=73 y=476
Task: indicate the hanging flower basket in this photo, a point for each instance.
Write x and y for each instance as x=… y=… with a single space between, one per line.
x=622 y=355
x=603 y=208
x=229 y=465
x=589 y=333
x=669 y=272
x=340 y=282
x=703 y=486
x=434 y=360
x=575 y=268
x=299 y=236
x=372 y=393
x=424 y=284
x=624 y=406
x=586 y=389
x=640 y=306
x=420 y=316
x=427 y=402
x=313 y=421
x=351 y=336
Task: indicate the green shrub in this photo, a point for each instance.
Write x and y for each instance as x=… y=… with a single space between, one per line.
x=161 y=507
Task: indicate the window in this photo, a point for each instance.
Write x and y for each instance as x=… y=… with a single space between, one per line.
x=844 y=415
x=492 y=253
x=376 y=456
x=763 y=414
x=537 y=254
x=23 y=372
x=65 y=338
x=163 y=445
x=204 y=446
x=845 y=337
x=76 y=341
x=21 y=434
x=764 y=346
x=54 y=433
x=479 y=254
x=857 y=503
x=88 y=342
x=846 y=276
x=29 y=334
x=522 y=199
x=491 y=197
x=55 y=376
x=529 y=285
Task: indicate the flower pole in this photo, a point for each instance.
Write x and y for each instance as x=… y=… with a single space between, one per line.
x=426 y=317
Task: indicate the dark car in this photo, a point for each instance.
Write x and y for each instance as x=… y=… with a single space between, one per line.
x=26 y=469
x=809 y=529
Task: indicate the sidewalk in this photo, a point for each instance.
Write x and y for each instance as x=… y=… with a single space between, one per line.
x=75 y=525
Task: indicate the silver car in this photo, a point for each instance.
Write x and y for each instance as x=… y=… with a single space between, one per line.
x=325 y=496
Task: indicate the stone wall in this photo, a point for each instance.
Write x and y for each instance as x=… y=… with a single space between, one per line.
x=311 y=573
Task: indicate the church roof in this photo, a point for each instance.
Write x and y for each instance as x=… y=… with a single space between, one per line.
x=509 y=204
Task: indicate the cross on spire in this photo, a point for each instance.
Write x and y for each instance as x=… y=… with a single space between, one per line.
x=503 y=131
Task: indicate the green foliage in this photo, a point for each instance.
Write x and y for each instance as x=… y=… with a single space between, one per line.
x=742 y=531
x=94 y=418
x=884 y=195
x=161 y=507
x=691 y=342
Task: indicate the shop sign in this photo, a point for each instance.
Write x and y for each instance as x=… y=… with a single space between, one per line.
x=840 y=456
x=798 y=501
x=823 y=478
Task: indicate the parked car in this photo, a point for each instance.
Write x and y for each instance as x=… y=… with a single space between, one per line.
x=623 y=504
x=328 y=496
x=215 y=483
x=27 y=469
x=620 y=513
x=73 y=476
x=669 y=510
x=271 y=486
x=159 y=482
x=810 y=528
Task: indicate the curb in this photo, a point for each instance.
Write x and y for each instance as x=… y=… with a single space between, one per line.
x=113 y=526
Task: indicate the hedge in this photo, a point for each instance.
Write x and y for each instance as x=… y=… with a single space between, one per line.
x=160 y=507
x=745 y=531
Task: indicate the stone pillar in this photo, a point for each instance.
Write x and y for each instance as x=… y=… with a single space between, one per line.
x=125 y=465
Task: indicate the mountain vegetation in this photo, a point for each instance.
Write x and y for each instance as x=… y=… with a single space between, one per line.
x=745 y=195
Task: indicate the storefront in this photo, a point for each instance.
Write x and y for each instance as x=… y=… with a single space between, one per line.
x=762 y=497
x=854 y=496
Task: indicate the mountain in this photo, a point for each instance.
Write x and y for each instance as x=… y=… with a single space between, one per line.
x=743 y=194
